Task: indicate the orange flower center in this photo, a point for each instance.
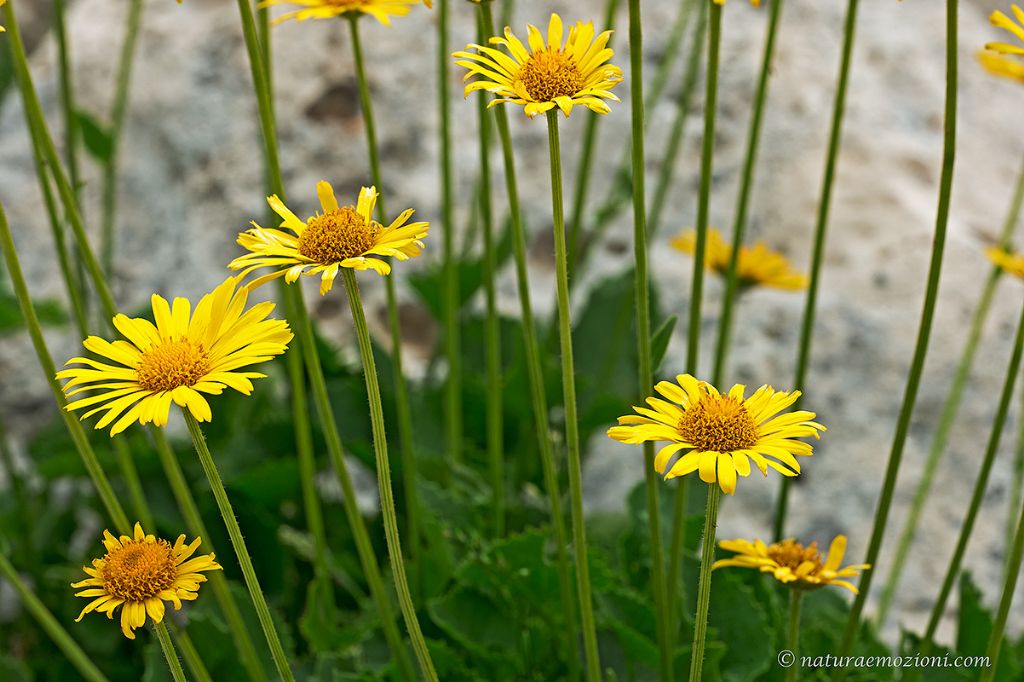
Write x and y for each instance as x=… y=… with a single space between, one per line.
x=550 y=74
x=792 y=554
x=332 y=237
x=718 y=424
x=140 y=569
x=172 y=364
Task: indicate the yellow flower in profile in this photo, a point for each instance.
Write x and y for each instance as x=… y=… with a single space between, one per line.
x=548 y=74
x=721 y=433
x=992 y=57
x=340 y=237
x=792 y=564
x=757 y=265
x=381 y=10
x=3 y=2
x=185 y=354
x=1011 y=263
x=139 y=574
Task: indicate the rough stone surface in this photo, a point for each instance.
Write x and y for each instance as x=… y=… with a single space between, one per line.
x=192 y=178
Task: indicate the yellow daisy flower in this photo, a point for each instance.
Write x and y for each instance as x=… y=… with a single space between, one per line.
x=548 y=74
x=1011 y=263
x=721 y=432
x=140 y=573
x=791 y=563
x=757 y=265
x=381 y=10
x=992 y=57
x=340 y=237
x=177 y=359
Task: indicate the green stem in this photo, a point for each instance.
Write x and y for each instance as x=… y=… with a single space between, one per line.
x=643 y=330
x=980 y=485
x=238 y=543
x=924 y=333
x=793 y=636
x=169 y=653
x=78 y=658
x=704 y=198
x=572 y=434
x=739 y=226
x=586 y=162
x=118 y=114
x=995 y=640
x=820 y=233
x=193 y=661
x=453 y=395
x=492 y=325
x=85 y=451
x=1016 y=487
x=38 y=125
x=303 y=327
x=535 y=374
x=126 y=463
x=707 y=558
x=675 y=139
x=403 y=409
x=387 y=500
x=949 y=413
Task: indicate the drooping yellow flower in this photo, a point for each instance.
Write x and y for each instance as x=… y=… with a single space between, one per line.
x=1007 y=261
x=177 y=359
x=758 y=265
x=340 y=237
x=381 y=10
x=721 y=433
x=548 y=74
x=791 y=563
x=993 y=56
x=139 y=574
x=2 y=3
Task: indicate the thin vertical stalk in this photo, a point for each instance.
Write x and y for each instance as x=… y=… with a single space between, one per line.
x=572 y=435
x=492 y=325
x=78 y=658
x=704 y=197
x=586 y=162
x=171 y=656
x=803 y=358
x=387 y=499
x=453 y=392
x=403 y=409
x=641 y=286
x=739 y=226
x=535 y=374
x=92 y=465
x=118 y=114
x=303 y=328
x=980 y=486
x=949 y=414
x=238 y=543
x=707 y=557
x=995 y=639
x=1016 y=486
x=130 y=473
x=924 y=332
x=793 y=636
x=675 y=138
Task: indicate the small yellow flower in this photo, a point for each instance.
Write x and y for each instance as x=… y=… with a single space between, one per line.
x=381 y=10
x=140 y=573
x=757 y=265
x=992 y=57
x=1011 y=263
x=340 y=237
x=792 y=564
x=177 y=359
x=548 y=74
x=4 y=2
x=722 y=433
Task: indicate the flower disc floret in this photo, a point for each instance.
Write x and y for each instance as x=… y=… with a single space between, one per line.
x=717 y=434
x=793 y=564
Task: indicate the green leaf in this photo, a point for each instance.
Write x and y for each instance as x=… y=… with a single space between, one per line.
x=468 y=616
x=741 y=622
x=97 y=138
